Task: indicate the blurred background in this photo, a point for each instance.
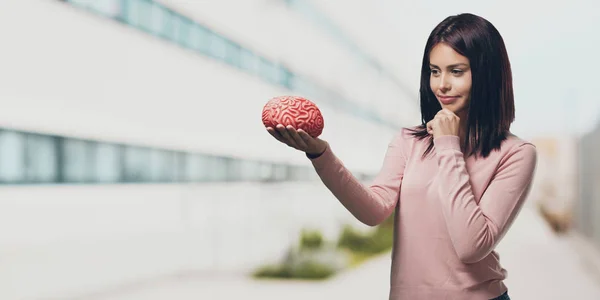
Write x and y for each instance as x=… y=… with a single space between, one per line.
x=134 y=163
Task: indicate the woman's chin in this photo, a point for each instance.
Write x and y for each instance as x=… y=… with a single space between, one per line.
x=453 y=107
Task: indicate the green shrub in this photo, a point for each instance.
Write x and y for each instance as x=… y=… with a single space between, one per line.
x=304 y=270
x=312 y=270
x=273 y=271
x=311 y=239
x=307 y=260
x=377 y=241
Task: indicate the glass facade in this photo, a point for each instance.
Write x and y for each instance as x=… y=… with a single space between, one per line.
x=32 y=158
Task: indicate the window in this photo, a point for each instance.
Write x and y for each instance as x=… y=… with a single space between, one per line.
x=37 y=158
x=279 y=172
x=109 y=8
x=163 y=166
x=139 y=14
x=196 y=167
x=107 y=163
x=77 y=160
x=219 y=169
x=248 y=61
x=200 y=39
x=160 y=21
x=217 y=46
x=265 y=171
x=232 y=54
x=12 y=156
x=268 y=70
x=41 y=158
x=249 y=170
x=181 y=32
x=137 y=164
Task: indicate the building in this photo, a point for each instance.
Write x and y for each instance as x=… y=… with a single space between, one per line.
x=131 y=144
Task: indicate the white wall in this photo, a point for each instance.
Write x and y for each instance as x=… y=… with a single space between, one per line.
x=287 y=35
x=69 y=240
x=68 y=72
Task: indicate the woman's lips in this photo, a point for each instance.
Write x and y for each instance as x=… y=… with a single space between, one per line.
x=447 y=99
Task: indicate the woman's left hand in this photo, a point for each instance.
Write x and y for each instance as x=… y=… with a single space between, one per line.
x=445 y=122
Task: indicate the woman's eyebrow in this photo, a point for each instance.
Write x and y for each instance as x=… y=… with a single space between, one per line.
x=451 y=66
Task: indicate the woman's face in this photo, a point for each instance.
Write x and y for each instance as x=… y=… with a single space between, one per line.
x=450 y=78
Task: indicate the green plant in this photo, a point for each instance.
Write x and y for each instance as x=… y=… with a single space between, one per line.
x=377 y=241
x=305 y=270
x=312 y=270
x=311 y=239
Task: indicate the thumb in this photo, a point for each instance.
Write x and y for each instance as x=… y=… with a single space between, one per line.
x=430 y=127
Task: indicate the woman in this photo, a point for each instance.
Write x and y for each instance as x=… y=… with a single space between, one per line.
x=456 y=182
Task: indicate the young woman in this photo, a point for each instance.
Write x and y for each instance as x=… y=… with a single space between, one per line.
x=456 y=182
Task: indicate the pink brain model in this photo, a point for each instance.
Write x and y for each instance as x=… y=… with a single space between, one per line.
x=296 y=111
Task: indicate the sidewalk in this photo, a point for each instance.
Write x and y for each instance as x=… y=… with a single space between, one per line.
x=540 y=266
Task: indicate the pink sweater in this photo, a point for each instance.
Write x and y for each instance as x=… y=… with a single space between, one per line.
x=451 y=212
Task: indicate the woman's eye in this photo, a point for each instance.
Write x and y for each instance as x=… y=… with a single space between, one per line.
x=458 y=72
x=434 y=72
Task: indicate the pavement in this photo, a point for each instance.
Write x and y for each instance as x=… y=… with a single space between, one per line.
x=540 y=264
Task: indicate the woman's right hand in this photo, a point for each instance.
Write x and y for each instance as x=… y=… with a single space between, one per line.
x=298 y=139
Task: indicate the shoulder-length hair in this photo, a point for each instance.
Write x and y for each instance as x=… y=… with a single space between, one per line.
x=491 y=107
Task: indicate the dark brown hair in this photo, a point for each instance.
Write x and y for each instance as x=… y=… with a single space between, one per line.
x=491 y=109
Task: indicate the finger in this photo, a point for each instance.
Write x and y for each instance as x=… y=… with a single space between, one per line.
x=449 y=113
x=443 y=116
x=308 y=140
x=286 y=136
x=275 y=134
x=444 y=112
x=296 y=137
x=430 y=127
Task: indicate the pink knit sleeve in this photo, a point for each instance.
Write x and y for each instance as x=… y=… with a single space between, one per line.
x=369 y=204
x=475 y=229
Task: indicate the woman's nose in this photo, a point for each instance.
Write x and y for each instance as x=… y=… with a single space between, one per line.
x=444 y=83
